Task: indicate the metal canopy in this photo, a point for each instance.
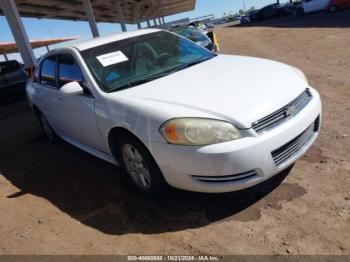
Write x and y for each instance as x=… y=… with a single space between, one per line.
x=11 y=47
x=105 y=10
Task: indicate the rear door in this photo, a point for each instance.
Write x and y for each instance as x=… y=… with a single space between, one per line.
x=46 y=89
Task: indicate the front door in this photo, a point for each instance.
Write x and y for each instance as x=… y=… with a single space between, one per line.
x=76 y=114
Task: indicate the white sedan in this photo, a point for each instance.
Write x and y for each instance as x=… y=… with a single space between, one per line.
x=172 y=113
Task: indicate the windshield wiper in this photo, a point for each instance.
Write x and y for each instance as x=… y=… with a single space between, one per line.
x=137 y=82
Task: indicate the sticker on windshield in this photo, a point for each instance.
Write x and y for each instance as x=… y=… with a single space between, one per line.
x=112 y=58
x=112 y=76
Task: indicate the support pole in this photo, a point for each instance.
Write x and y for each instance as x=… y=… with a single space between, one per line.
x=139 y=25
x=155 y=22
x=120 y=15
x=47 y=48
x=14 y=20
x=91 y=18
x=148 y=23
x=163 y=20
x=160 y=23
x=5 y=56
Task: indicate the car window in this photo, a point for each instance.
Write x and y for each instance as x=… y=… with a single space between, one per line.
x=68 y=70
x=48 y=71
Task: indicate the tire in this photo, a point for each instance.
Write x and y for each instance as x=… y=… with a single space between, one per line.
x=140 y=166
x=47 y=129
x=333 y=9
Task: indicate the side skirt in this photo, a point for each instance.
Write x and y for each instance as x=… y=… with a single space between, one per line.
x=91 y=150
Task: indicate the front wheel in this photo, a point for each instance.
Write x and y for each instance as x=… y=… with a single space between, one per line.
x=140 y=166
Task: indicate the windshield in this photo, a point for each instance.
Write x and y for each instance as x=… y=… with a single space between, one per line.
x=140 y=59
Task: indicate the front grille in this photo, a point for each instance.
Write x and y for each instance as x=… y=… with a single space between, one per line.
x=224 y=179
x=292 y=148
x=281 y=115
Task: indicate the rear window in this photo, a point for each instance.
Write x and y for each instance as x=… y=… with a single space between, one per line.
x=9 y=67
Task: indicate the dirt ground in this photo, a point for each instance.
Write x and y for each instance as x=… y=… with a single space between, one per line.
x=56 y=199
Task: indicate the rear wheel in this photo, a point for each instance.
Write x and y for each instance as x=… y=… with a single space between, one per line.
x=140 y=166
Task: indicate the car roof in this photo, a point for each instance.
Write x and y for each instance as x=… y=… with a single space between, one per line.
x=91 y=43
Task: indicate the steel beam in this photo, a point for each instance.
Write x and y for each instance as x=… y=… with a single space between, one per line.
x=5 y=56
x=91 y=18
x=104 y=10
x=120 y=15
x=14 y=20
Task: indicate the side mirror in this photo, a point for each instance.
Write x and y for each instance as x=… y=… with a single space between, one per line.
x=72 y=89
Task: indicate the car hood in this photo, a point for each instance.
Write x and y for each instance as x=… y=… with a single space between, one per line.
x=238 y=89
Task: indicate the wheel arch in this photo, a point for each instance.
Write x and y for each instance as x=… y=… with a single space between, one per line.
x=36 y=111
x=113 y=141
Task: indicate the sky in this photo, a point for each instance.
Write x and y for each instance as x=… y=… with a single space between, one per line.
x=49 y=28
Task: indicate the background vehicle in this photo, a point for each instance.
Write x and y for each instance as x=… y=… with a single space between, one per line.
x=310 y=6
x=267 y=12
x=196 y=36
x=244 y=19
x=13 y=78
x=335 y=5
x=210 y=25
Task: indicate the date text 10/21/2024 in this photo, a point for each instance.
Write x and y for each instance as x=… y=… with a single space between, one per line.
x=173 y=258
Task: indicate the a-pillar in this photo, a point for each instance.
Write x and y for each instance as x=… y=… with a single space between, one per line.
x=120 y=15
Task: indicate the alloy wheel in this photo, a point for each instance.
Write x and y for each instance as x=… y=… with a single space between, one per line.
x=136 y=167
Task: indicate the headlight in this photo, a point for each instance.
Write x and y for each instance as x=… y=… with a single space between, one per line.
x=198 y=131
x=300 y=74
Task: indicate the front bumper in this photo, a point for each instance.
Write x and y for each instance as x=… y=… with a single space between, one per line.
x=249 y=159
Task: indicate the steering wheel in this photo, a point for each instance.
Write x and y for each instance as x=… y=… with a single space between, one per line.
x=163 y=58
